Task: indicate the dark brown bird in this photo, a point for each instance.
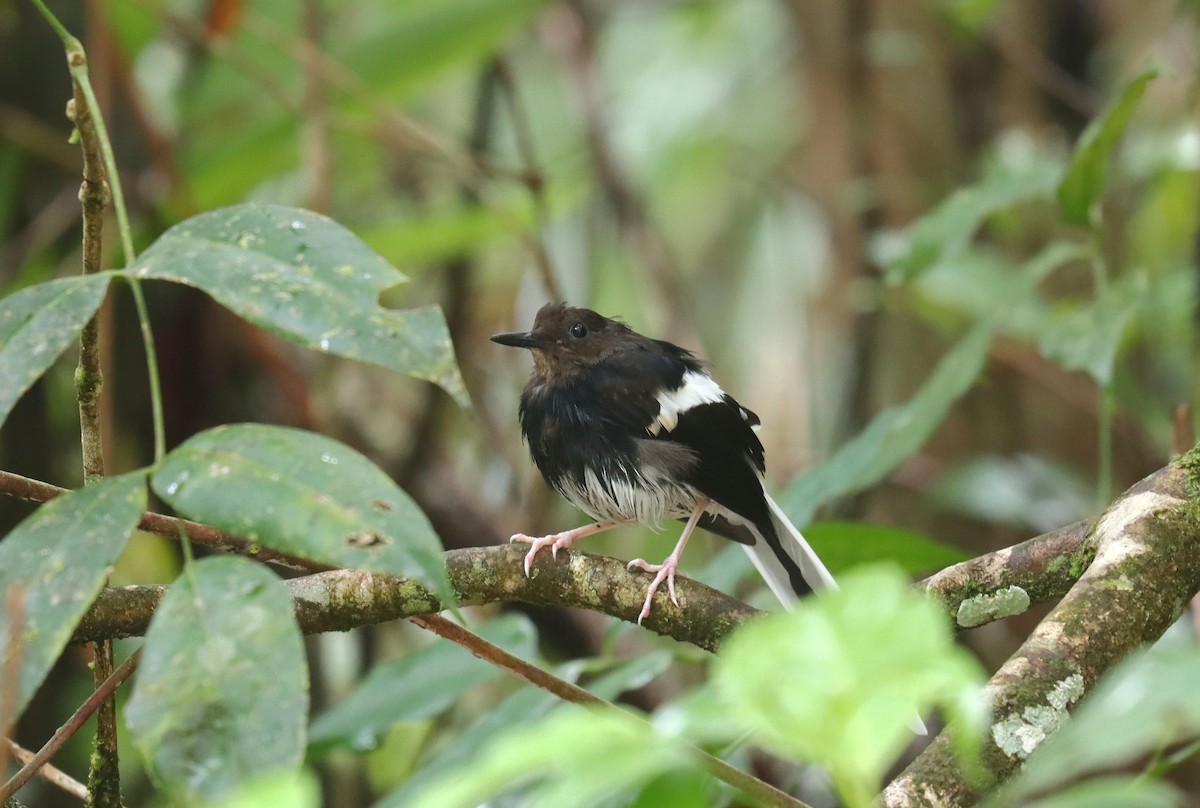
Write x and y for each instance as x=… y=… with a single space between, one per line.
x=631 y=429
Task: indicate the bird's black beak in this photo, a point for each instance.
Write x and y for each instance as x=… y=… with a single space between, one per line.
x=518 y=339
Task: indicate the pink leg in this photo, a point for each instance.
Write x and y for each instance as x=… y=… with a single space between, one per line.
x=666 y=570
x=557 y=541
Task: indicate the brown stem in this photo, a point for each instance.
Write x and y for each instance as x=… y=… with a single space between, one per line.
x=52 y=774
x=102 y=694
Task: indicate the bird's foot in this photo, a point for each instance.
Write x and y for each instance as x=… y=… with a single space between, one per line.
x=663 y=572
x=555 y=541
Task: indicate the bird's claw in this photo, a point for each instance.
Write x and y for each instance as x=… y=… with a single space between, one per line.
x=663 y=572
x=554 y=541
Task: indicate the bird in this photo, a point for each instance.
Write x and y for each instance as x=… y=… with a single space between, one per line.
x=635 y=430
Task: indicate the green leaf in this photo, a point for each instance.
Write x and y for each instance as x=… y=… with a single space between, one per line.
x=310 y=280
x=222 y=688
x=36 y=326
x=893 y=435
x=1023 y=491
x=52 y=566
x=419 y=685
x=835 y=682
x=305 y=495
x=896 y=433
x=1088 y=337
x=1087 y=172
x=579 y=757
x=843 y=545
x=945 y=233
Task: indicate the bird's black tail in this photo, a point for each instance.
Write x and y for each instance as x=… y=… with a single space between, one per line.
x=779 y=561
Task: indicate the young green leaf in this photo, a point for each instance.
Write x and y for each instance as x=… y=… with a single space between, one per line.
x=221 y=696
x=36 y=326
x=1087 y=173
x=308 y=279
x=836 y=681
x=306 y=495
x=52 y=565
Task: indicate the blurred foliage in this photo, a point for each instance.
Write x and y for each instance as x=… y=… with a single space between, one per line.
x=946 y=250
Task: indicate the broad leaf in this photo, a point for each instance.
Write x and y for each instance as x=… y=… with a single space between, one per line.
x=222 y=688
x=835 y=681
x=419 y=685
x=305 y=495
x=843 y=545
x=52 y=565
x=308 y=279
x=1087 y=173
x=36 y=326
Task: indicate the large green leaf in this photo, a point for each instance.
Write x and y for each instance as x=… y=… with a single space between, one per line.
x=419 y=685
x=36 y=326
x=53 y=564
x=308 y=279
x=836 y=680
x=306 y=495
x=222 y=688
x=1087 y=173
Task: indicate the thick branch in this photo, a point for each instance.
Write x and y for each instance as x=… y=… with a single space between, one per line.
x=339 y=600
x=1146 y=569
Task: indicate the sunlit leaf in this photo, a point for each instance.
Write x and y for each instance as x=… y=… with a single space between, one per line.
x=837 y=680
x=281 y=789
x=222 y=688
x=52 y=565
x=306 y=495
x=1087 y=173
x=308 y=279
x=36 y=326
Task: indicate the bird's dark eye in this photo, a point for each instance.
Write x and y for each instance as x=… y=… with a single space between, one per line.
x=579 y=331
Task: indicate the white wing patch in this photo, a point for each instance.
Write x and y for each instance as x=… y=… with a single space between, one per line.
x=697 y=388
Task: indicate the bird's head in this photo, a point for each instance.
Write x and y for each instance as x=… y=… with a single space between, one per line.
x=565 y=339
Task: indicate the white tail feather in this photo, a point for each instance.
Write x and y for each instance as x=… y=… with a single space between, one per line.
x=814 y=572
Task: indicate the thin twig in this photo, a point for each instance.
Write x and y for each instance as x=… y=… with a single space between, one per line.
x=52 y=774
x=749 y=785
x=67 y=730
